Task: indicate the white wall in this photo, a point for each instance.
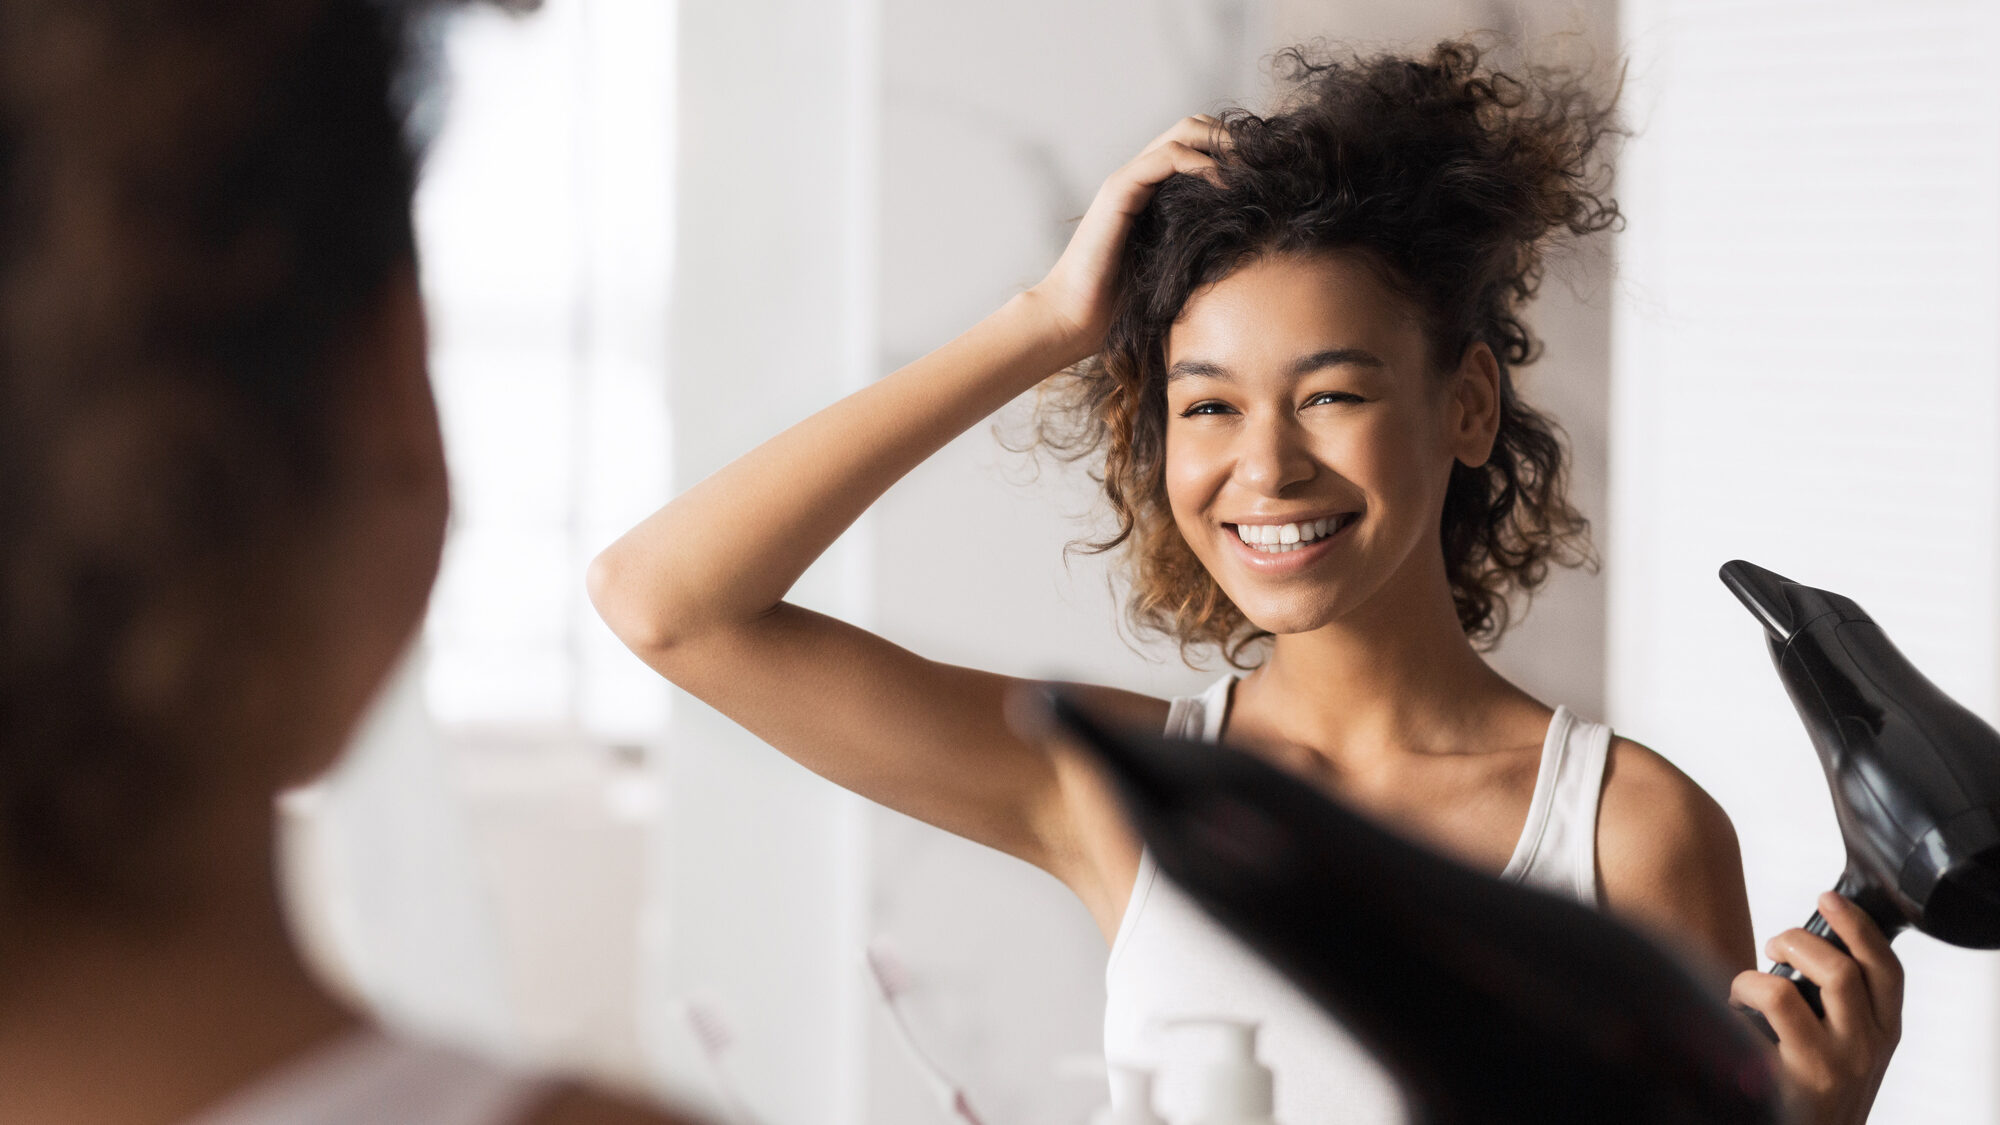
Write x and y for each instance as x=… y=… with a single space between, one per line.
x=1807 y=378
x=759 y=881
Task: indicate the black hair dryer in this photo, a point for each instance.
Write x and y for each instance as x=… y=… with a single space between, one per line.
x=1915 y=776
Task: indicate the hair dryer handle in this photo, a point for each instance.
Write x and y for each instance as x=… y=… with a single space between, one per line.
x=1856 y=889
x=1818 y=927
x=1808 y=991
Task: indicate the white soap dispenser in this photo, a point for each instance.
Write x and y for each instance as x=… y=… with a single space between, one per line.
x=1217 y=1078
x=1131 y=1098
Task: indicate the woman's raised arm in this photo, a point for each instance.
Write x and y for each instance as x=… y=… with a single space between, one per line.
x=697 y=590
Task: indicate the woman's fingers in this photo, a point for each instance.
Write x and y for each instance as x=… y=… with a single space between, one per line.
x=1880 y=966
x=1190 y=147
x=1198 y=131
x=1800 y=1033
x=1176 y=156
x=1080 y=287
x=1125 y=194
x=1843 y=987
x=1834 y=1066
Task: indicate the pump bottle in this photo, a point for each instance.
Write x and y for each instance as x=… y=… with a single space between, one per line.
x=1216 y=1076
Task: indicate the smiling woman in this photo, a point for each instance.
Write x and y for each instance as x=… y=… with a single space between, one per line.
x=1318 y=404
x=1289 y=339
x=1444 y=184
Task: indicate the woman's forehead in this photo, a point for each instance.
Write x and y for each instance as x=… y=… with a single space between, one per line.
x=1275 y=310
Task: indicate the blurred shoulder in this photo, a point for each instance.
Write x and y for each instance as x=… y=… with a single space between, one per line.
x=1130 y=709
x=581 y=1105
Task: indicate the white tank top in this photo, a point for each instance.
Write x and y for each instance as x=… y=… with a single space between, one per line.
x=1171 y=960
x=374 y=1078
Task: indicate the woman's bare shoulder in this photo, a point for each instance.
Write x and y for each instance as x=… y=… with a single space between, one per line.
x=1667 y=855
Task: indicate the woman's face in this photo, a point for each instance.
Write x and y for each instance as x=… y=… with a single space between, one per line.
x=1302 y=414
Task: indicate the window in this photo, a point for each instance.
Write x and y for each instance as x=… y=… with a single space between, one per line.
x=544 y=224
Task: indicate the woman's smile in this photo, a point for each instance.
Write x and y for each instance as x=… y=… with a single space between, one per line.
x=1278 y=548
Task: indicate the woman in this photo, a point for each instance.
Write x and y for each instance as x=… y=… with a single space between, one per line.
x=1292 y=340
x=222 y=498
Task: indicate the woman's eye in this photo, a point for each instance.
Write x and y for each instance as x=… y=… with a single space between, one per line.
x=1205 y=408
x=1333 y=396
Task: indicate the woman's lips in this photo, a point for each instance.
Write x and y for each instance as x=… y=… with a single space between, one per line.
x=1299 y=557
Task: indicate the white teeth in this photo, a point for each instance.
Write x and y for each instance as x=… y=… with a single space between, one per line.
x=1278 y=538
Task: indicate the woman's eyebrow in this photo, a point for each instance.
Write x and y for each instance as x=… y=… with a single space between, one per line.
x=1304 y=365
x=1336 y=357
x=1197 y=369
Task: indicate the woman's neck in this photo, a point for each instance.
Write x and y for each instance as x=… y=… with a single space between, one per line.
x=1395 y=676
x=147 y=1017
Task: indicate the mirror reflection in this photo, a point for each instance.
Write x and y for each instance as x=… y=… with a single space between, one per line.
x=539 y=538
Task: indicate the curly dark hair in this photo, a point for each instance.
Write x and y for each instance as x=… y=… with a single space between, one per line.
x=1450 y=180
x=198 y=201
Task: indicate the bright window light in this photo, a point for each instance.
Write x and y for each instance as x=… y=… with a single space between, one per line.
x=544 y=225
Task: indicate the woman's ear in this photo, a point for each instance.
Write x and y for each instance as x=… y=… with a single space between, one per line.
x=1474 y=416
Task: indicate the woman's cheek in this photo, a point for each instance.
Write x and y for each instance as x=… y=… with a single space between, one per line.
x=1388 y=460
x=1192 y=474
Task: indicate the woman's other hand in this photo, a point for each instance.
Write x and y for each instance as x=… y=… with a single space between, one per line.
x=1832 y=1067
x=1079 y=290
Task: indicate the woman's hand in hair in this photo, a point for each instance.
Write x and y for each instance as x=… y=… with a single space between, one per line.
x=1078 y=292
x=1832 y=1067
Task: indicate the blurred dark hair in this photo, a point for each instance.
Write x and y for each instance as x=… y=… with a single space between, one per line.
x=199 y=200
x=1449 y=179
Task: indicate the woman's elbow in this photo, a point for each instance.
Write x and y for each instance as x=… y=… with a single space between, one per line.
x=632 y=617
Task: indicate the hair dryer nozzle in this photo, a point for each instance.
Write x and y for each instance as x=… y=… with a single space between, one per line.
x=1762 y=592
x=1782 y=605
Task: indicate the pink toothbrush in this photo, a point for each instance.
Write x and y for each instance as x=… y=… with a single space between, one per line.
x=712 y=1032
x=891 y=984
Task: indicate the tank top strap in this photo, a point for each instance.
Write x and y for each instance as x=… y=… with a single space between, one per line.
x=1188 y=716
x=1558 y=846
x=1201 y=716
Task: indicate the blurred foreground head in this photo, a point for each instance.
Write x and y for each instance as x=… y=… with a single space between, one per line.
x=221 y=487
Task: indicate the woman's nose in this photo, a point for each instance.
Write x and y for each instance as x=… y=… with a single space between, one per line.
x=1273 y=456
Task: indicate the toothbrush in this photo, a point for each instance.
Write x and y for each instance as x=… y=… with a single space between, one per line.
x=891 y=983
x=712 y=1032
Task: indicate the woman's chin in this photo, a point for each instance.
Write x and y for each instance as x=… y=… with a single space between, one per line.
x=1288 y=620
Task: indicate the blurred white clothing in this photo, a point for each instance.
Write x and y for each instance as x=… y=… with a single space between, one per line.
x=378 y=1078
x=1171 y=960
